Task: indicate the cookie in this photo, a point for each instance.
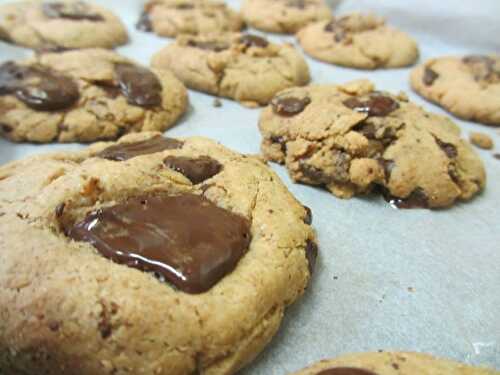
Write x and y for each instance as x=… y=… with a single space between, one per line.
x=85 y=95
x=150 y=256
x=352 y=139
x=388 y=363
x=362 y=41
x=284 y=16
x=243 y=67
x=468 y=87
x=60 y=25
x=172 y=17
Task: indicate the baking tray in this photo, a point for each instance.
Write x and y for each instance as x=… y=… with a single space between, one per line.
x=415 y=280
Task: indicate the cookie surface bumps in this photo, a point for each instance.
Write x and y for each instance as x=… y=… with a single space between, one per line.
x=352 y=139
x=243 y=67
x=56 y=25
x=468 y=87
x=85 y=95
x=64 y=215
x=358 y=40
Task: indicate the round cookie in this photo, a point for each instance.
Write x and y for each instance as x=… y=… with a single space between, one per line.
x=172 y=17
x=468 y=87
x=243 y=67
x=362 y=41
x=284 y=16
x=389 y=363
x=85 y=95
x=352 y=139
x=59 y=25
x=208 y=251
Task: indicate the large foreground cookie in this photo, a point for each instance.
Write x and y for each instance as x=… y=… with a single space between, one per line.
x=208 y=245
x=351 y=139
x=85 y=96
x=468 y=87
x=284 y=16
x=173 y=17
x=246 y=68
x=361 y=41
x=392 y=363
x=65 y=24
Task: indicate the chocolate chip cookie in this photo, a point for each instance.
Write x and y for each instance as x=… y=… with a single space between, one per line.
x=388 y=363
x=172 y=17
x=58 y=25
x=284 y=16
x=362 y=41
x=243 y=67
x=148 y=256
x=352 y=139
x=85 y=95
x=468 y=87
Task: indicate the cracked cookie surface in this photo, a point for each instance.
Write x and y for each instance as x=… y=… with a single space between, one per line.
x=352 y=139
x=243 y=67
x=85 y=95
x=388 y=363
x=284 y=16
x=362 y=41
x=172 y=17
x=55 y=25
x=468 y=87
x=66 y=308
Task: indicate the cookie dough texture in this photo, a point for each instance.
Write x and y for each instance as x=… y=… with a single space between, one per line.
x=67 y=310
x=389 y=363
x=65 y=24
x=172 y=17
x=362 y=41
x=101 y=111
x=468 y=87
x=284 y=16
x=245 y=68
x=352 y=139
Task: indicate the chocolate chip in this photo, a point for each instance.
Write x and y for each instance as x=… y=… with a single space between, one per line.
x=338 y=30
x=214 y=46
x=249 y=40
x=187 y=239
x=449 y=149
x=289 y=106
x=483 y=68
x=54 y=326
x=144 y=22
x=196 y=170
x=429 y=76
x=6 y=128
x=311 y=255
x=374 y=105
x=395 y=366
x=72 y=10
x=417 y=199
x=308 y=218
x=281 y=141
x=37 y=86
x=139 y=85
x=496 y=156
x=345 y=371
x=60 y=209
x=315 y=175
x=388 y=166
x=125 y=151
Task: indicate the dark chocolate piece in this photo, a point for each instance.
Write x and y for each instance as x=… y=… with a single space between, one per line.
x=289 y=106
x=308 y=218
x=429 y=76
x=76 y=11
x=374 y=105
x=139 y=85
x=209 y=46
x=144 y=22
x=311 y=255
x=249 y=40
x=417 y=199
x=449 y=149
x=125 y=151
x=196 y=170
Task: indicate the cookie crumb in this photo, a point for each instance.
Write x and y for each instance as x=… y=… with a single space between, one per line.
x=481 y=140
x=217 y=103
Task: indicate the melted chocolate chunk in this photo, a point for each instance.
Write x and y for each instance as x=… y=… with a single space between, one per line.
x=209 y=46
x=6 y=128
x=139 y=85
x=308 y=218
x=339 y=32
x=388 y=166
x=345 y=371
x=289 y=106
x=429 y=76
x=311 y=255
x=125 y=151
x=249 y=40
x=375 y=105
x=196 y=170
x=449 y=149
x=144 y=23
x=281 y=141
x=417 y=199
x=38 y=87
x=74 y=11
x=185 y=239
x=483 y=68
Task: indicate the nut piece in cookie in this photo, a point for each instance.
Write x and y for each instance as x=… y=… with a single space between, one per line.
x=284 y=16
x=243 y=67
x=352 y=139
x=362 y=41
x=60 y=25
x=84 y=96
x=173 y=17
x=468 y=87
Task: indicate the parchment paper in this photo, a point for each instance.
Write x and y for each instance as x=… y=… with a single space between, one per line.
x=415 y=280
